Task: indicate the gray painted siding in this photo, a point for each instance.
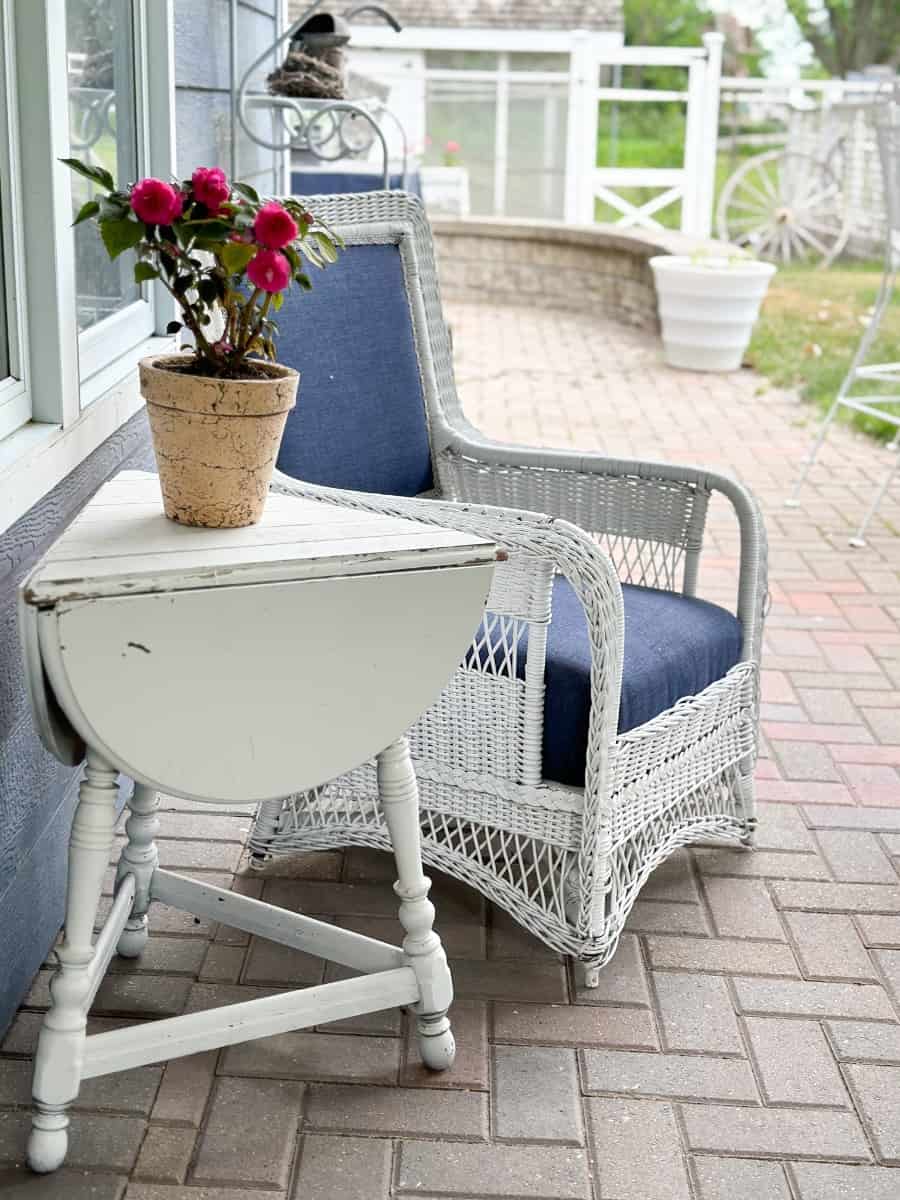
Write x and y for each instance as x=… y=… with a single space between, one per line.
x=202 y=80
x=36 y=792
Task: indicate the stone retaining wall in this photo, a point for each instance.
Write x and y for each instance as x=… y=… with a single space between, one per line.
x=598 y=269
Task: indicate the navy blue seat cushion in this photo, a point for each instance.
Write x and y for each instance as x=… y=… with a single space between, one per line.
x=331 y=183
x=675 y=646
x=360 y=421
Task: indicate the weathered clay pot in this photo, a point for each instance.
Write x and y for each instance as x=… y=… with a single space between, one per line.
x=216 y=440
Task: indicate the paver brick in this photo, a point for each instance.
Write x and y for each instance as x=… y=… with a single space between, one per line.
x=96 y=1141
x=788 y=997
x=230 y=1153
x=343 y=1168
x=884 y=820
x=165 y=1154
x=696 y=1013
x=185 y=1088
x=564 y=1025
x=142 y=995
x=315 y=1056
x=828 y=946
x=837 y=897
x=781 y=827
x=506 y=979
x=855 y=856
x=536 y=1095
x=794 y=1062
x=673 y=1076
x=637 y=1150
x=865 y=1040
x=802 y=760
x=774 y=1132
x=740 y=1179
x=729 y=955
x=879 y=931
x=742 y=908
x=397 y=1112
x=164 y=1191
x=658 y=916
x=877 y=1091
x=488 y=1172
x=838 y=1181
x=761 y=864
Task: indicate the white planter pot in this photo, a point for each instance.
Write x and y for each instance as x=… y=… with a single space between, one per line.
x=708 y=309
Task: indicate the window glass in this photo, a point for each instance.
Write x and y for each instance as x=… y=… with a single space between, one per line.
x=4 y=332
x=102 y=131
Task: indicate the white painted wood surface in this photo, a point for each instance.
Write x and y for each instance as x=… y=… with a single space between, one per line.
x=236 y=665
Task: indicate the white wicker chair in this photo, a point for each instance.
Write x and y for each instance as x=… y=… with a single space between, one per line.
x=566 y=862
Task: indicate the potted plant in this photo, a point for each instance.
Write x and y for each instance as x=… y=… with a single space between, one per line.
x=708 y=305
x=217 y=414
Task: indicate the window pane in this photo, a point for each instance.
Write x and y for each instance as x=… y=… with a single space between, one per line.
x=99 y=41
x=4 y=335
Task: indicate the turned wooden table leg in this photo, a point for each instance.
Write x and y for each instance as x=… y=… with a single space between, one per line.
x=60 y=1050
x=422 y=946
x=139 y=858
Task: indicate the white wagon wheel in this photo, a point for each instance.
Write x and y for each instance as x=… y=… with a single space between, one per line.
x=784 y=207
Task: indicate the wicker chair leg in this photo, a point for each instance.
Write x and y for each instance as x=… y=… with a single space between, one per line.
x=587 y=974
x=748 y=803
x=268 y=820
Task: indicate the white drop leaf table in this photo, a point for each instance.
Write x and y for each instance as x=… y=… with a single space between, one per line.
x=235 y=665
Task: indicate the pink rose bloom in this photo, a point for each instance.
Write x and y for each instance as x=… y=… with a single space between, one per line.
x=156 y=202
x=274 y=226
x=210 y=188
x=269 y=270
x=453 y=147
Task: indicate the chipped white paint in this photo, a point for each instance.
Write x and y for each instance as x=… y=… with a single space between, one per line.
x=236 y=665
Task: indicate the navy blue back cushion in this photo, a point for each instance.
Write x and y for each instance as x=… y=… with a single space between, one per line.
x=329 y=183
x=359 y=422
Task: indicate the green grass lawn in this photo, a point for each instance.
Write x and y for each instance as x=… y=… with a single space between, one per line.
x=810 y=326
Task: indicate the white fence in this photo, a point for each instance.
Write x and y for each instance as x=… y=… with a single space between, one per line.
x=496 y=81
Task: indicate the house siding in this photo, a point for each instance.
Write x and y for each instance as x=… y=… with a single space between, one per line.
x=37 y=794
x=599 y=15
x=203 y=83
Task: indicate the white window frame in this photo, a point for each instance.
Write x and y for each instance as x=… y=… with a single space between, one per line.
x=78 y=396
x=15 y=402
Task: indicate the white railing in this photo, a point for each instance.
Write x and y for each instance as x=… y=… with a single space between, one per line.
x=693 y=183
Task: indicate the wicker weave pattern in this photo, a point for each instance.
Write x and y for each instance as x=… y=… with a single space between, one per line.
x=566 y=862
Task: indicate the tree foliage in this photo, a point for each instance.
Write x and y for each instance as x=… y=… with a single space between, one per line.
x=848 y=35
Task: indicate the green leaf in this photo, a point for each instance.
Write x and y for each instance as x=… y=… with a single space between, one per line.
x=114 y=207
x=244 y=189
x=89 y=209
x=143 y=272
x=326 y=245
x=234 y=256
x=97 y=175
x=206 y=227
x=277 y=300
x=121 y=235
x=304 y=281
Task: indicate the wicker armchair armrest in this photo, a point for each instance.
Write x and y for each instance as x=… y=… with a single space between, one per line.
x=646 y=513
x=545 y=538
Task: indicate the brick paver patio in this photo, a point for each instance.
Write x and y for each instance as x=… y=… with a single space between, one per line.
x=744 y=1044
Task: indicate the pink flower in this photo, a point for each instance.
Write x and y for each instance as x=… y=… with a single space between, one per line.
x=156 y=202
x=210 y=188
x=453 y=147
x=269 y=270
x=274 y=227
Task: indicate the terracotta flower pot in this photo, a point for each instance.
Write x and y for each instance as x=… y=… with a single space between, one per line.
x=216 y=440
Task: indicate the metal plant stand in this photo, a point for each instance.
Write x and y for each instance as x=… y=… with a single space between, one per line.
x=885 y=406
x=327 y=130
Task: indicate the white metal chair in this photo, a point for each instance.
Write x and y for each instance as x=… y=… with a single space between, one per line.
x=570 y=755
x=884 y=404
